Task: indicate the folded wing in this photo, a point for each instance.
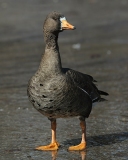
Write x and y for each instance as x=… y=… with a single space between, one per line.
x=86 y=83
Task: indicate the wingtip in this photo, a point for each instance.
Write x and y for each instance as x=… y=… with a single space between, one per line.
x=103 y=93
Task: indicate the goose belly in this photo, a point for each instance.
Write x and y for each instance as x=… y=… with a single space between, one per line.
x=59 y=99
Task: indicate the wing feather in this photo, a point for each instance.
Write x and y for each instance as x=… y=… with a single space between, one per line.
x=85 y=83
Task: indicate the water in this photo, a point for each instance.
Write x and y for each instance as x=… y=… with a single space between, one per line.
x=102 y=36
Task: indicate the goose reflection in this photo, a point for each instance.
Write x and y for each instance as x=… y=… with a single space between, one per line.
x=54 y=154
x=82 y=153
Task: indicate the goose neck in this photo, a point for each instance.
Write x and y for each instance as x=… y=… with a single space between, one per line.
x=51 y=41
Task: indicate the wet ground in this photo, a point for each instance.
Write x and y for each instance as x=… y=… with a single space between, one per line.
x=99 y=47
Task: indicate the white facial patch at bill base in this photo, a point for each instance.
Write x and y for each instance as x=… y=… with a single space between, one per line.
x=62 y=19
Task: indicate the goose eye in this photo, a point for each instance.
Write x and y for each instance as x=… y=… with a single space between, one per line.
x=54 y=18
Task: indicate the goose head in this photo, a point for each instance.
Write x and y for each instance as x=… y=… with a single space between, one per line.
x=56 y=22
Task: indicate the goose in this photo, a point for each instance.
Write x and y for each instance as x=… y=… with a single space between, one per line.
x=58 y=92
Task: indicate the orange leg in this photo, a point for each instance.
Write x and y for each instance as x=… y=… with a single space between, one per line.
x=54 y=145
x=82 y=145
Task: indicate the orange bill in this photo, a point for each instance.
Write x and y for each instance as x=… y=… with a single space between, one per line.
x=65 y=25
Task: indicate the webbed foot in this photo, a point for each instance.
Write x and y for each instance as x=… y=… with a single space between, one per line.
x=79 y=147
x=50 y=147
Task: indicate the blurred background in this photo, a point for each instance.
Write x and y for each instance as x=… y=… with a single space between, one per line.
x=98 y=46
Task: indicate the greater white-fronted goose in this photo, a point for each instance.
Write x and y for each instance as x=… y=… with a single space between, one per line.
x=58 y=92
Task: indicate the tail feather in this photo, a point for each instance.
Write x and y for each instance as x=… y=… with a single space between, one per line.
x=103 y=93
x=102 y=99
x=94 y=80
x=99 y=99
